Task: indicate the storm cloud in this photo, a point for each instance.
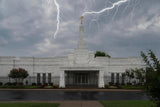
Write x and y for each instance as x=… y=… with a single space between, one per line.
x=27 y=27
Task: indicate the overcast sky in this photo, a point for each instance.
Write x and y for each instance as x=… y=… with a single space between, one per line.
x=27 y=27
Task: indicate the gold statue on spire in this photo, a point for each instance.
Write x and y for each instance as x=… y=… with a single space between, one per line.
x=81 y=19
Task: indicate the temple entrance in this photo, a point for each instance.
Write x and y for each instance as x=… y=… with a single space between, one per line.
x=81 y=79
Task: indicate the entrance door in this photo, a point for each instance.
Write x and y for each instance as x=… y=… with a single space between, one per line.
x=81 y=78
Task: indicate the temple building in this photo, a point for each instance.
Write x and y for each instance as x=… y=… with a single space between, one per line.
x=80 y=68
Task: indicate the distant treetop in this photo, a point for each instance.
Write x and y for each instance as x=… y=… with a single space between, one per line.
x=103 y=54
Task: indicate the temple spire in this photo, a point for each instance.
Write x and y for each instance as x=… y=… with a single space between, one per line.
x=81 y=43
x=81 y=19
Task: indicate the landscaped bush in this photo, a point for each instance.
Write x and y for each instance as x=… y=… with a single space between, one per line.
x=112 y=86
x=42 y=86
x=33 y=84
x=45 y=84
x=129 y=83
x=1 y=83
x=107 y=86
x=111 y=83
x=131 y=87
x=14 y=83
x=123 y=84
x=26 y=82
x=117 y=83
x=51 y=84
x=8 y=84
x=39 y=84
x=115 y=86
x=140 y=84
x=32 y=87
x=21 y=83
x=55 y=86
x=48 y=87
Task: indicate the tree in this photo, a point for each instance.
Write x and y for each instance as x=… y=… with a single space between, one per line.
x=18 y=74
x=99 y=53
x=152 y=75
x=130 y=74
x=139 y=74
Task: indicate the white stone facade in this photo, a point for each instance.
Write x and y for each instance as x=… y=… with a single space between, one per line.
x=80 y=60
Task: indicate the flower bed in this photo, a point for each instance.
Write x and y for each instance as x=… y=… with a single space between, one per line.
x=112 y=86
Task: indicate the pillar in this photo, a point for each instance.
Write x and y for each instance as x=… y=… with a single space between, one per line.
x=62 y=80
x=101 y=79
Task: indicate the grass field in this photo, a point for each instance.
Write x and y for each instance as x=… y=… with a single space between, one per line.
x=128 y=103
x=28 y=105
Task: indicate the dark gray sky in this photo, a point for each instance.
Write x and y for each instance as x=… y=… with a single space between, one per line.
x=27 y=27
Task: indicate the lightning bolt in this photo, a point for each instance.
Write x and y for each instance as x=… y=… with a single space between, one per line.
x=58 y=18
x=105 y=9
x=47 y=4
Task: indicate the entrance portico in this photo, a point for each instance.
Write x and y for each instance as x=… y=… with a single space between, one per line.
x=81 y=76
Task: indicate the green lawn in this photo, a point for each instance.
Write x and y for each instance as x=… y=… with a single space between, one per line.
x=128 y=103
x=29 y=105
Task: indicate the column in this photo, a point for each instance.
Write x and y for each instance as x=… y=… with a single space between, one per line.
x=101 y=79
x=62 y=80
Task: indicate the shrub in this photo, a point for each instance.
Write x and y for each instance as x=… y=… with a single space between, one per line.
x=14 y=83
x=111 y=83
x=123 y=84
x=1 y=83
x=51 y=84
x=114 y=87
x=117 y=84
x=21 y=83
x=8 y=84
x=33 y=84
x=43 y=86
x=39 y=84
x=26 y=82
x=55 y=86
x=48 y=87
x=107 y=86
x=129 y=83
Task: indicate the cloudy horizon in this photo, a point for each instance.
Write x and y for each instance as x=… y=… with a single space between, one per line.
x=27 y=27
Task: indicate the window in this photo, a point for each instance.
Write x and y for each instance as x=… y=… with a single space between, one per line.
x=112 y=78
x=38 y=77
x=49 y=77
x=117 y=78
x=123 y=77
x=44 y=78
